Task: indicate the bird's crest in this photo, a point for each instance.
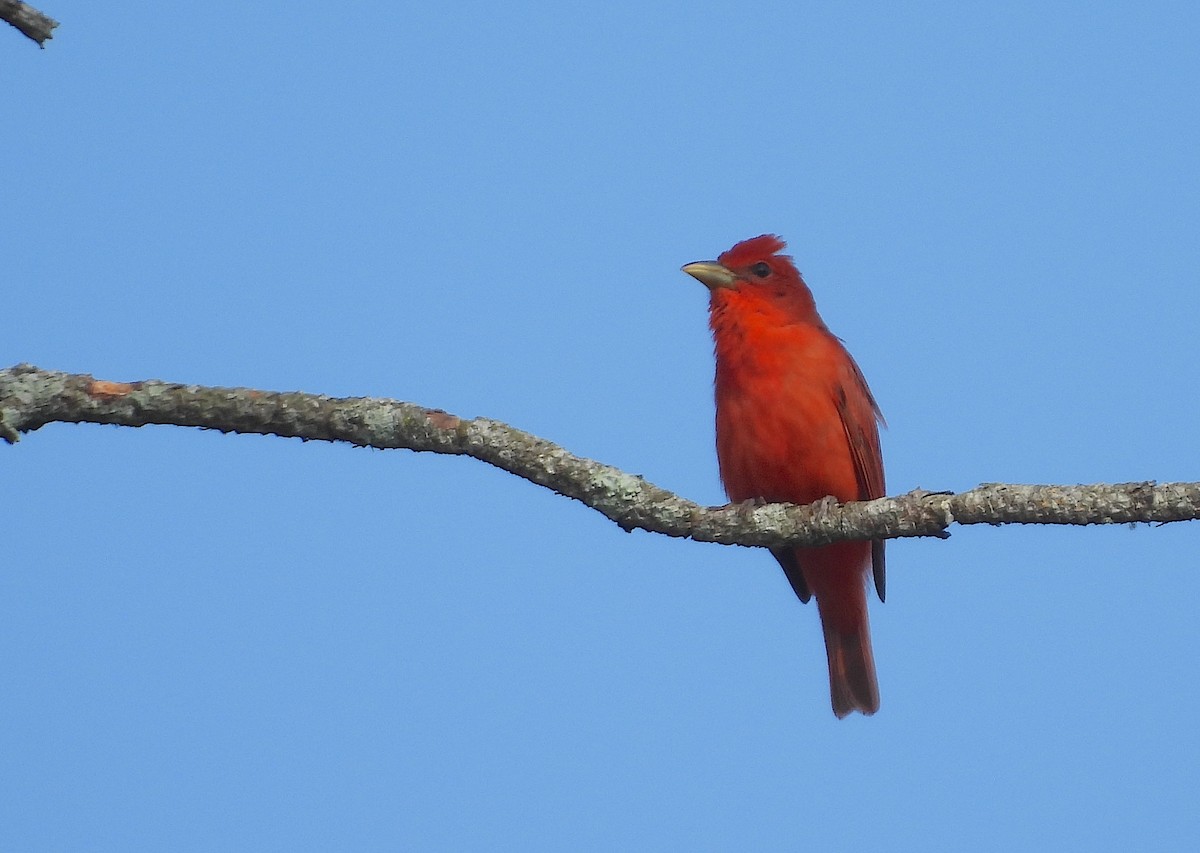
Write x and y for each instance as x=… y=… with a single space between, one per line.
x=750 y=251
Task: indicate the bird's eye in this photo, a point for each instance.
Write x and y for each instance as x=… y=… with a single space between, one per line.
x=761 y=269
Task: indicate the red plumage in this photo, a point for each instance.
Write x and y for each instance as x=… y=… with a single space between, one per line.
x=796 y=423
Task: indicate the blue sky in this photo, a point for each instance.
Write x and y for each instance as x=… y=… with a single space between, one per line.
x=232 y=642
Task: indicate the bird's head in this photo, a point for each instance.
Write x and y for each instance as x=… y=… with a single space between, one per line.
x=754 y=277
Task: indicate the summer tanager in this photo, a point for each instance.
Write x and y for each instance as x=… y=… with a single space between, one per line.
x=797 y=423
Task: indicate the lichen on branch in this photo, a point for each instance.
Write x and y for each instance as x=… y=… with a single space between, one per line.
x=31 y=397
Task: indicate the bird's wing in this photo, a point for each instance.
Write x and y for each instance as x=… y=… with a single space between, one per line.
x=861 y=419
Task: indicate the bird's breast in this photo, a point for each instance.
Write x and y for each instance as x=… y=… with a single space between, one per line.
x=780 y=435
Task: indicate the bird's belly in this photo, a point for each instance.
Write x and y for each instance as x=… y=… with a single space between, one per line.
x=783 y=446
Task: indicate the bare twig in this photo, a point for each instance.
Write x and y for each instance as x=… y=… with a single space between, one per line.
x=28 y=20
x=31 y=398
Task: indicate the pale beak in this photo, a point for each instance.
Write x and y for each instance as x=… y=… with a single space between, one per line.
x=711 y=274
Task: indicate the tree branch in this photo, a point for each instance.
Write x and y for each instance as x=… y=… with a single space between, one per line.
x=31 y=398
x=28 y=20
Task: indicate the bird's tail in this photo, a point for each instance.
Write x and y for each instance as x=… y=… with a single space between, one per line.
x=852 y=682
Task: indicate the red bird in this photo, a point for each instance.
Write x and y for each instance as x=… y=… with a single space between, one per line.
x=796 y=423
